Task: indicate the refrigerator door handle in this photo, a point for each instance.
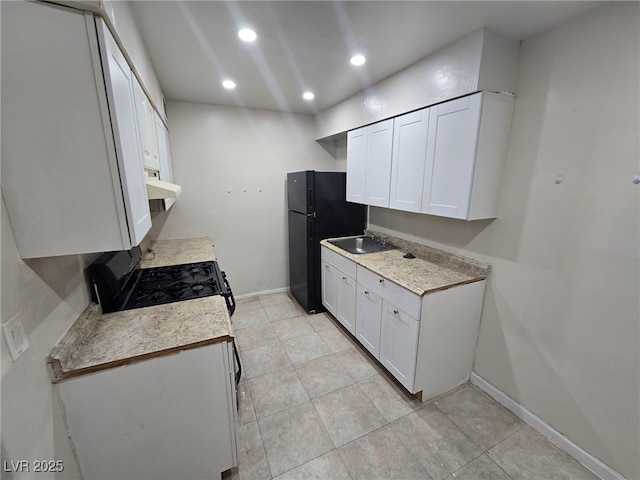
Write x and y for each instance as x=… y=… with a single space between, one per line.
x=310 y=199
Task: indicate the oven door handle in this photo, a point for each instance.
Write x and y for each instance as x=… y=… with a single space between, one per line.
x=229 y=298
x=238 y=374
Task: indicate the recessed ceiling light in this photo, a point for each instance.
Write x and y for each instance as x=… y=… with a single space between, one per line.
x=229 y=84
x=247 y=35
x=358 y=60
x=308 y=95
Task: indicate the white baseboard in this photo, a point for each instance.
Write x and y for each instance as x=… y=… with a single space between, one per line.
x=257 y=294
x=586 y=459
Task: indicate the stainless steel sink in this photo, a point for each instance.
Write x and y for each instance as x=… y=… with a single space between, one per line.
x=360 y=245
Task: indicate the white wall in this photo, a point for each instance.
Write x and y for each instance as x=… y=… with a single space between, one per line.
x=232 y=165
x=560 y=325
x=48 y=294
x=479 y=61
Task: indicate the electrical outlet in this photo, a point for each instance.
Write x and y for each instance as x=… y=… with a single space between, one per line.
x=15 y=337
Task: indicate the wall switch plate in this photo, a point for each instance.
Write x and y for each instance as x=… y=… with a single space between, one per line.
x=15 y=337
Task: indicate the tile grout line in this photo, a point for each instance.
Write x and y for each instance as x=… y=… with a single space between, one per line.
x=263 y=449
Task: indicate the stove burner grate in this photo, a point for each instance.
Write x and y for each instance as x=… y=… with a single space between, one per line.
x=161 y=285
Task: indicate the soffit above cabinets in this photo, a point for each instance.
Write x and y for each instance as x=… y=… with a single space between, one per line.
x=306 y=45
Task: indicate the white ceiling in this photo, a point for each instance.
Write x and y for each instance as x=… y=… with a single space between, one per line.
x=306 y=45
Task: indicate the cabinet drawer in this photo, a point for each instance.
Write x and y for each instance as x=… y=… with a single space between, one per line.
x=392 y=292
x=341 y=263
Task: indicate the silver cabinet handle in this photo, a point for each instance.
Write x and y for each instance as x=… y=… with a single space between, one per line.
x=344 y=278
x=366 y=292
x=395 y=312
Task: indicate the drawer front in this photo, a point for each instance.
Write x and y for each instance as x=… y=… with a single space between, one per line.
x=392 y=292
x=341 y=263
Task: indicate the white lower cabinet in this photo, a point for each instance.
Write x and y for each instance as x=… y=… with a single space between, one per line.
x=399 y=343
x=426 y=342
x=168 y=417
x=368 y=319
x=339 y=288
x=346 y=302
x=329 y=288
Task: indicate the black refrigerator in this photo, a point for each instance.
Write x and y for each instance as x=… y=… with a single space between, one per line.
x=317 y=210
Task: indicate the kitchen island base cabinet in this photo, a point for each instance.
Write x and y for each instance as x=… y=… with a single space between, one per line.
x=164 y=418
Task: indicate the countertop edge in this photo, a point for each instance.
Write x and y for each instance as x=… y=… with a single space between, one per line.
x=57 y=373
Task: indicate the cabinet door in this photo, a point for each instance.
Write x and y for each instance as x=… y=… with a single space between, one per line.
x=451 y=150
x=409 y=155
x=145 y=117
x=329 y=287
x=399 y=344
x=378 y=171
x=123 y=120
x=346 y=299
x=164 y=157
x=356 y=165
x=368 y=319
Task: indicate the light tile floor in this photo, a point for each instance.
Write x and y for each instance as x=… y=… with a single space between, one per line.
x=313 y=404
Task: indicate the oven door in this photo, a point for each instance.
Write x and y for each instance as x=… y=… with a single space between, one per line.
x=231 y=307
x=228 y=296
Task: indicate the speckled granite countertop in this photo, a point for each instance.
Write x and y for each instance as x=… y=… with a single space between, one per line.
x=432 y=269
x=176 y=252
x=98 y=341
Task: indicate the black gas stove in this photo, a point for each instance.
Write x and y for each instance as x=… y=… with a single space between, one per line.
x=120 y=284
x=155 y=286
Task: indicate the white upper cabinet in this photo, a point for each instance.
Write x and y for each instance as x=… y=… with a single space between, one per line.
x=466 y=153
x=146 y=127
x=164 y=157
x=71 y=165
x=369 y=164
x=379 y=147
x=119 y=81
x=408 y=162
x=357 y=165
x=445 y=160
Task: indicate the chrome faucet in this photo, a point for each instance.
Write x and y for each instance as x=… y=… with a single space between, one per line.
x=380 y=240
